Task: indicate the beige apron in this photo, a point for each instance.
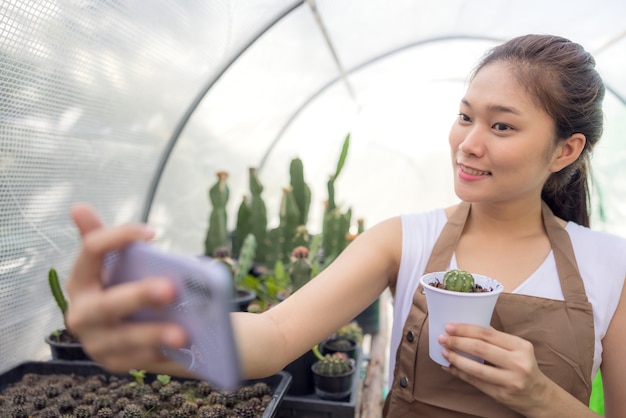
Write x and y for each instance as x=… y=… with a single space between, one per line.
x=561 y=332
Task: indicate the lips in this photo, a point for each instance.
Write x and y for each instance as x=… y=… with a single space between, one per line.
x=472 y=171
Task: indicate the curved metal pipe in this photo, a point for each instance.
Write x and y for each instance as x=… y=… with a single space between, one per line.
x=192 y=108
x=372 y=61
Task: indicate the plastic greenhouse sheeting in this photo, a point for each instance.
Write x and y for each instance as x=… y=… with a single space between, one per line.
x=134 y=106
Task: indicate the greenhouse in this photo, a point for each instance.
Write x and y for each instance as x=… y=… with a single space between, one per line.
x=145 y=109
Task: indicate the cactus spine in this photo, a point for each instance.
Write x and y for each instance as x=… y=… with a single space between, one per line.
x=217 y=234
x=458 y=281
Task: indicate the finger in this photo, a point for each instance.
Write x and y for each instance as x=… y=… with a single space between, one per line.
x=103 y=309
x=86 y=274
x=85 y=218
x=135 y=345
x=487 y=334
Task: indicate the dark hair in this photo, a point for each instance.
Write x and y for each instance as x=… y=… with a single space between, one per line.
x=561 y=77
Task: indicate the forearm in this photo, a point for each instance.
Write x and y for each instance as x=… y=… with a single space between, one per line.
x=260 y=345
x=558 y=403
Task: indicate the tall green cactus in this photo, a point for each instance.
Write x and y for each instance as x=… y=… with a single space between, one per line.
x=331 y=181
x=246 y=259
x=360 y=225
x=289 y=216
x=217 y=234
x=301 y=191
x=258 y=215
x=336 y=225
x=242 y=226
x=336 y=228
x=300 y=268
x=301 y=238
x=458 y=281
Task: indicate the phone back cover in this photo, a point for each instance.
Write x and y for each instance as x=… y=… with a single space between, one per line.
x=202 y=307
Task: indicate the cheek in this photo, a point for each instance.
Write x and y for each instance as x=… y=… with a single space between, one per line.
x=454 y=137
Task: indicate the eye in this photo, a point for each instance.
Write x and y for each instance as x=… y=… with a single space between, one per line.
x=501 y=127
x=464 y=118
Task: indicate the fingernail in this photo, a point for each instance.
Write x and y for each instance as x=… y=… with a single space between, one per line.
x=161 y=289
x=148 y=232
x=442 y=338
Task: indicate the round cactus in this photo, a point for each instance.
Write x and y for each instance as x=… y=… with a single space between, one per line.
x=458 y=281
x=335 y=364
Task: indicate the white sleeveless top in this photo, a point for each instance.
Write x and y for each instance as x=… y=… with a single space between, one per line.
x=601 y=259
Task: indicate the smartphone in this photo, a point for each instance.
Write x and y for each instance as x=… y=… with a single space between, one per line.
x=202 y=307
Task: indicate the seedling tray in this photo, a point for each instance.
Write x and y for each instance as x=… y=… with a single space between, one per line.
x=279 y=382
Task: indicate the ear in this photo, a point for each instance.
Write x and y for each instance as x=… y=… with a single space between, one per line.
x=567 y=151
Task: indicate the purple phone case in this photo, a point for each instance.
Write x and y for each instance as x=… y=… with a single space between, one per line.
x=202 y=307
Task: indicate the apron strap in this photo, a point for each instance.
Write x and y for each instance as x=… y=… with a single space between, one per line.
x=569 y=275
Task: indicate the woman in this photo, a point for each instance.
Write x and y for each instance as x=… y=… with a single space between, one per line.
x=520 y=148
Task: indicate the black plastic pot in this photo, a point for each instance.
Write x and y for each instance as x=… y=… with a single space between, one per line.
x=333 y=387
x=369 y=319
x=301 y=375
x=242 y=299
x=340 y=344
x=61 y=350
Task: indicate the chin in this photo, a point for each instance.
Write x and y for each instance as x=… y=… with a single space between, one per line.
x=469 y=196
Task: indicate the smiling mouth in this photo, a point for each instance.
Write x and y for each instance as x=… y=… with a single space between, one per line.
x=472 y=171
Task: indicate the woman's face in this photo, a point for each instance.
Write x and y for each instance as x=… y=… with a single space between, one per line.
x=501 y=142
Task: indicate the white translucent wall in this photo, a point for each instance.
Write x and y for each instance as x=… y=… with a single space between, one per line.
x=93 y=94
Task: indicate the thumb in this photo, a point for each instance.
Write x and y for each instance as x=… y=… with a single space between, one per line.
x=85 y=218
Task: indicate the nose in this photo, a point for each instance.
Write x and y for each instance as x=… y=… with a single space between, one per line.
x=474 y=141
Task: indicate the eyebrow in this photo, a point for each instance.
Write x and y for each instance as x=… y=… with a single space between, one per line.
x=496 y=108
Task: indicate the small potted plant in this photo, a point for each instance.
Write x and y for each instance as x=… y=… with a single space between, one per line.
x=347 y=340
x=333 y=375
x=457 y=296
x=63 y=344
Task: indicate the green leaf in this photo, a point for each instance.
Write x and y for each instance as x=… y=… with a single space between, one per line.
x=343 y=156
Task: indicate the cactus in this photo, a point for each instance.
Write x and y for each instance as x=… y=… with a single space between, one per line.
x=336 y=231
x=301 y=191
x=360 y=226
x=458 y=281
x=57 y=293
x=340 y=163
x=217 y=234
x=335 y=364
x=336 y=225
x=289 y=215
x=300 y=268
x=302 y=237
x=243 y=225
x=258 y=215
x=351 y=331
x=246 y=259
